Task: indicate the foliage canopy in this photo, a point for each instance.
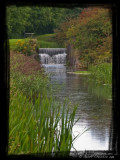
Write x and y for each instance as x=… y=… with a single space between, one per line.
x=90 y=33
x=38 y=20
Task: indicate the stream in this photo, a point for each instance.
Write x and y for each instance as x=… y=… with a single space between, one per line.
x=94 y=102
x=94 y=107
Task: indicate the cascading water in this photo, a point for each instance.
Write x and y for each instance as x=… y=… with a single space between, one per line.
x=45 y=58
x=52 y=55
x=59 y=58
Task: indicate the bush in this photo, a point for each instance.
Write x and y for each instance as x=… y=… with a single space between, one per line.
x=27 y=47
x=27 y=74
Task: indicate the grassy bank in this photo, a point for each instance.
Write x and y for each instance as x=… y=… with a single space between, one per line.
x=101 y=73
x=47 y=41
x=43 y=41
x=34 y=115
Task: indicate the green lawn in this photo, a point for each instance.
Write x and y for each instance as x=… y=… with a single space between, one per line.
x=12 y=43
x=45 y=37
x=47 y=41
x=44 y=41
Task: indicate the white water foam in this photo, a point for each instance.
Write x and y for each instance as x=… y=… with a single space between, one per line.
x=53 y=59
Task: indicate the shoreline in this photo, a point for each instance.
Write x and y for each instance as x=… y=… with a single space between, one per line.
x=78 y=73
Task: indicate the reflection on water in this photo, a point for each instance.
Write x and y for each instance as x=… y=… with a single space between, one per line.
x=94 y=108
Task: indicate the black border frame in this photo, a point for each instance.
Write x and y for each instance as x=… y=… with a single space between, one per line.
x=4 y=77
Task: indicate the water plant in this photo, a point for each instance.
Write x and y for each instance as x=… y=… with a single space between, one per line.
x=101 y=73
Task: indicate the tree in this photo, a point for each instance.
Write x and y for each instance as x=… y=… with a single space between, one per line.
x=17 y=19
x=90 y=33
x=40 y=20
x=93 y=28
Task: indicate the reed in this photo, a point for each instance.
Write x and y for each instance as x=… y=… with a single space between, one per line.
x=101 y=73
x=39 y=127
x=37 y=122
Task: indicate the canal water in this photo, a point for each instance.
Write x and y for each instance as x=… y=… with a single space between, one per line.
x=94 y=106
x=94 y=102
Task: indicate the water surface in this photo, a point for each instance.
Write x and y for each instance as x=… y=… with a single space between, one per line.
x=94 y=107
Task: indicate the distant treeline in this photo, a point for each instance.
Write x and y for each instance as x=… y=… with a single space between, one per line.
x=38 y=20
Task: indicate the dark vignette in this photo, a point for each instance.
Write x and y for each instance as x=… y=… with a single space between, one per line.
x=4 y=78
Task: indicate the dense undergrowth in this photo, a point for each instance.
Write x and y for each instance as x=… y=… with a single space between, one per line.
x=37 y=123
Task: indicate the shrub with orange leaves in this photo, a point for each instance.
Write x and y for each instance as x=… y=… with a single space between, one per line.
x=24 y=64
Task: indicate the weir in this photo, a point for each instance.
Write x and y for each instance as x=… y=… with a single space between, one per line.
x=52 y=55
x=52 y=51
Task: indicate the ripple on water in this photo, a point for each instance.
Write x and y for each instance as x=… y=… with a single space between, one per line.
x=94 y=113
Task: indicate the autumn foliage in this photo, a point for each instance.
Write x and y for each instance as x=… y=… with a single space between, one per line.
x=90 y=34
x=26 y=65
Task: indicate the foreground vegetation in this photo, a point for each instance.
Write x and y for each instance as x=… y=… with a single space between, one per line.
x=33 y=127
x=37 y=124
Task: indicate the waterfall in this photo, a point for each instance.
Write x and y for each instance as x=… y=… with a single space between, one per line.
x=45 y=58
x=52 y=55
